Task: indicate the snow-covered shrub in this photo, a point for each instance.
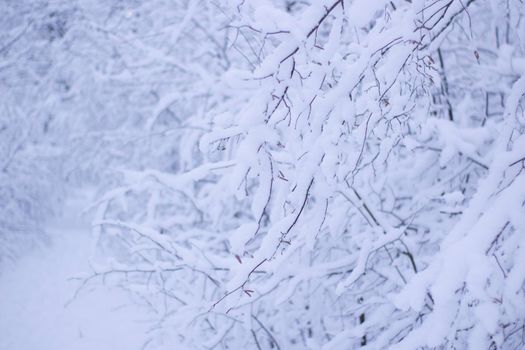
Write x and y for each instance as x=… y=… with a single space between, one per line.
x=358 y=182
x=29 y=156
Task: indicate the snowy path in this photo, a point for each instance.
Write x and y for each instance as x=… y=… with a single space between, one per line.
x=33 y=295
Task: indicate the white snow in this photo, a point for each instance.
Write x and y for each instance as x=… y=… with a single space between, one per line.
x=35 y=312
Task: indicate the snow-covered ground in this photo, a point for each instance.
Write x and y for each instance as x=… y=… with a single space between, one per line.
x=34 y=295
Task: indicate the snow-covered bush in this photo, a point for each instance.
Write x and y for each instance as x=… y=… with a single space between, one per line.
x=29 y=156
x=352 y=178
